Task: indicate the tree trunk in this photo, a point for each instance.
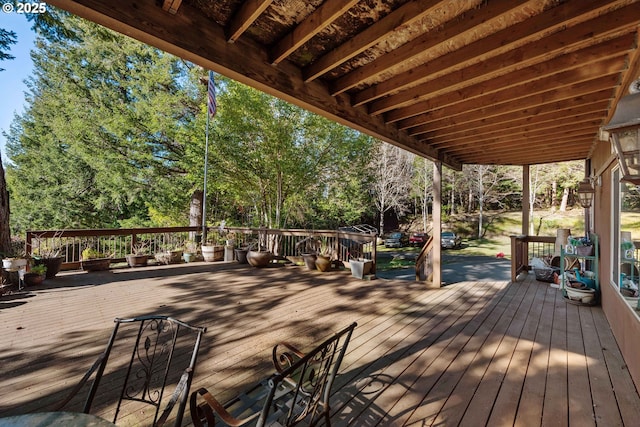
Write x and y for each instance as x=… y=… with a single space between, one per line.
x=565 y=197
x=195 y=213
x=5 y=231
x=554 y=192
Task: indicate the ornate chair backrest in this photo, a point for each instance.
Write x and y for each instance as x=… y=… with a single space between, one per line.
x=307 y=379
x=161 y=347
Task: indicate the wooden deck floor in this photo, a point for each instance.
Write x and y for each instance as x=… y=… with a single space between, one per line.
x=470 y=354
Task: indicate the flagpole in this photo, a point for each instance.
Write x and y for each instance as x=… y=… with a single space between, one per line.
x=211 y=112
x=204 y=191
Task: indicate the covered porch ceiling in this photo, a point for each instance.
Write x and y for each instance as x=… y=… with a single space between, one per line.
x=458 y=81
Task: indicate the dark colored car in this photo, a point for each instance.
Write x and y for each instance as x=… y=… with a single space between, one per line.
x=395 y=240
x=417 y=239
x=450 y=240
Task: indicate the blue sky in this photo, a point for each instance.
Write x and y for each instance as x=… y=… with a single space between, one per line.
x=12 y=87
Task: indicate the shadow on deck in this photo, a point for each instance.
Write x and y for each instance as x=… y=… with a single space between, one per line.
x=472 y=353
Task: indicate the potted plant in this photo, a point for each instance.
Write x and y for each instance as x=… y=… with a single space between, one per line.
x=213 y=248
x=323 y=256
x=94 y=260
x=170 y=255
x=47 y=255
x=241 y=254
x=139 y=256
x=36 y=275
x=258 y=255
x=190 y=251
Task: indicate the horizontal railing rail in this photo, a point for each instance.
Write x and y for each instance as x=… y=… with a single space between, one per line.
x=117 y=243
x=524 y=248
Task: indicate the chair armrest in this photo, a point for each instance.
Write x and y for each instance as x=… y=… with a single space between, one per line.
x=60 y=405
x=283 y=358
x=181 y=390
x=210 y=406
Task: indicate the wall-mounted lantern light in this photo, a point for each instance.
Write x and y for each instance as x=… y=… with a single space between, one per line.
x=585 y=193
x=624 y=132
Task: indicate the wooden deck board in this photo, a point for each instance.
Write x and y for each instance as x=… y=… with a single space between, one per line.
x=474 y=353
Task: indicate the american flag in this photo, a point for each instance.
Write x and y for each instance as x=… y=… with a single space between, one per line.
x=211 y=89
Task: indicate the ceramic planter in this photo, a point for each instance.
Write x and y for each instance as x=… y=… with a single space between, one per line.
x=97 y=264
x=309 y=261
x=13 y=264
x=137 y=260
x=53 y=265
x=323 y=263
x=241 y=256
x=259 y=258
x=33 y=279
x=169 y=257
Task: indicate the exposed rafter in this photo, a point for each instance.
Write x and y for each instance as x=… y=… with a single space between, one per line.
x=500 y=81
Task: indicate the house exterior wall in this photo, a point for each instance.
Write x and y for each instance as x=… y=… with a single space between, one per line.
x=623 y=321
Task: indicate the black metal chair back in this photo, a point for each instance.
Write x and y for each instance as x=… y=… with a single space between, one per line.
x=149 y=369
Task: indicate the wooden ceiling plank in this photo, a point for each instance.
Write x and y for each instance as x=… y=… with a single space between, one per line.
x=554 y=106
x=571 y=61
x=513 y=128
x=321 y=18
x=245 y=16
x=404 y=15
x=578 y=125
x=553 y=142
x=183 y=34
x=492 y=46
x=575 y=151
x=171 y=6
x=477 y=97
x=461 y=113
x=489 y=11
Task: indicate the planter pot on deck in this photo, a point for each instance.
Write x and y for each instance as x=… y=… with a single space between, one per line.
x=53 y=265
x=137 y=260
x=212 y=252
x=309 y=261
x=259 y=258
x=323 y=263
x=241 y=256
x=360 y=267
x=14 y=264
x=98 y=264
x=33 y=279
x=169 y=257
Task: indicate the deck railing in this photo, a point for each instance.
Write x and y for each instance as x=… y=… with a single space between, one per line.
x=117 y=243
x=523 y=248
x=424 y=262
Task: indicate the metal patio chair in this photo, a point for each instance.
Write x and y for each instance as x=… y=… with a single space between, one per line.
x=150 y=369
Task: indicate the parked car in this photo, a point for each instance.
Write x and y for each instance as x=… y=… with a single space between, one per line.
x=450 y=240
x=395 y=240
x=417 y=239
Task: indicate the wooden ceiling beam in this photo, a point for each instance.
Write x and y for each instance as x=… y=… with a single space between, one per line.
x=418 y=100
x=472 y=135
x=486 y=49
x=525 y=157
x=171 y=6
x=184 y=34
x=488 y=12
x=527 y=134
x=557 y=107
x=554 y=146
x=461 y=113
x=249 y=11
x=404 y=15
x=321 y=18
x=481 y=95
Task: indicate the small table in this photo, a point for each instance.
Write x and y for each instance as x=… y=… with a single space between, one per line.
x=55 y=419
